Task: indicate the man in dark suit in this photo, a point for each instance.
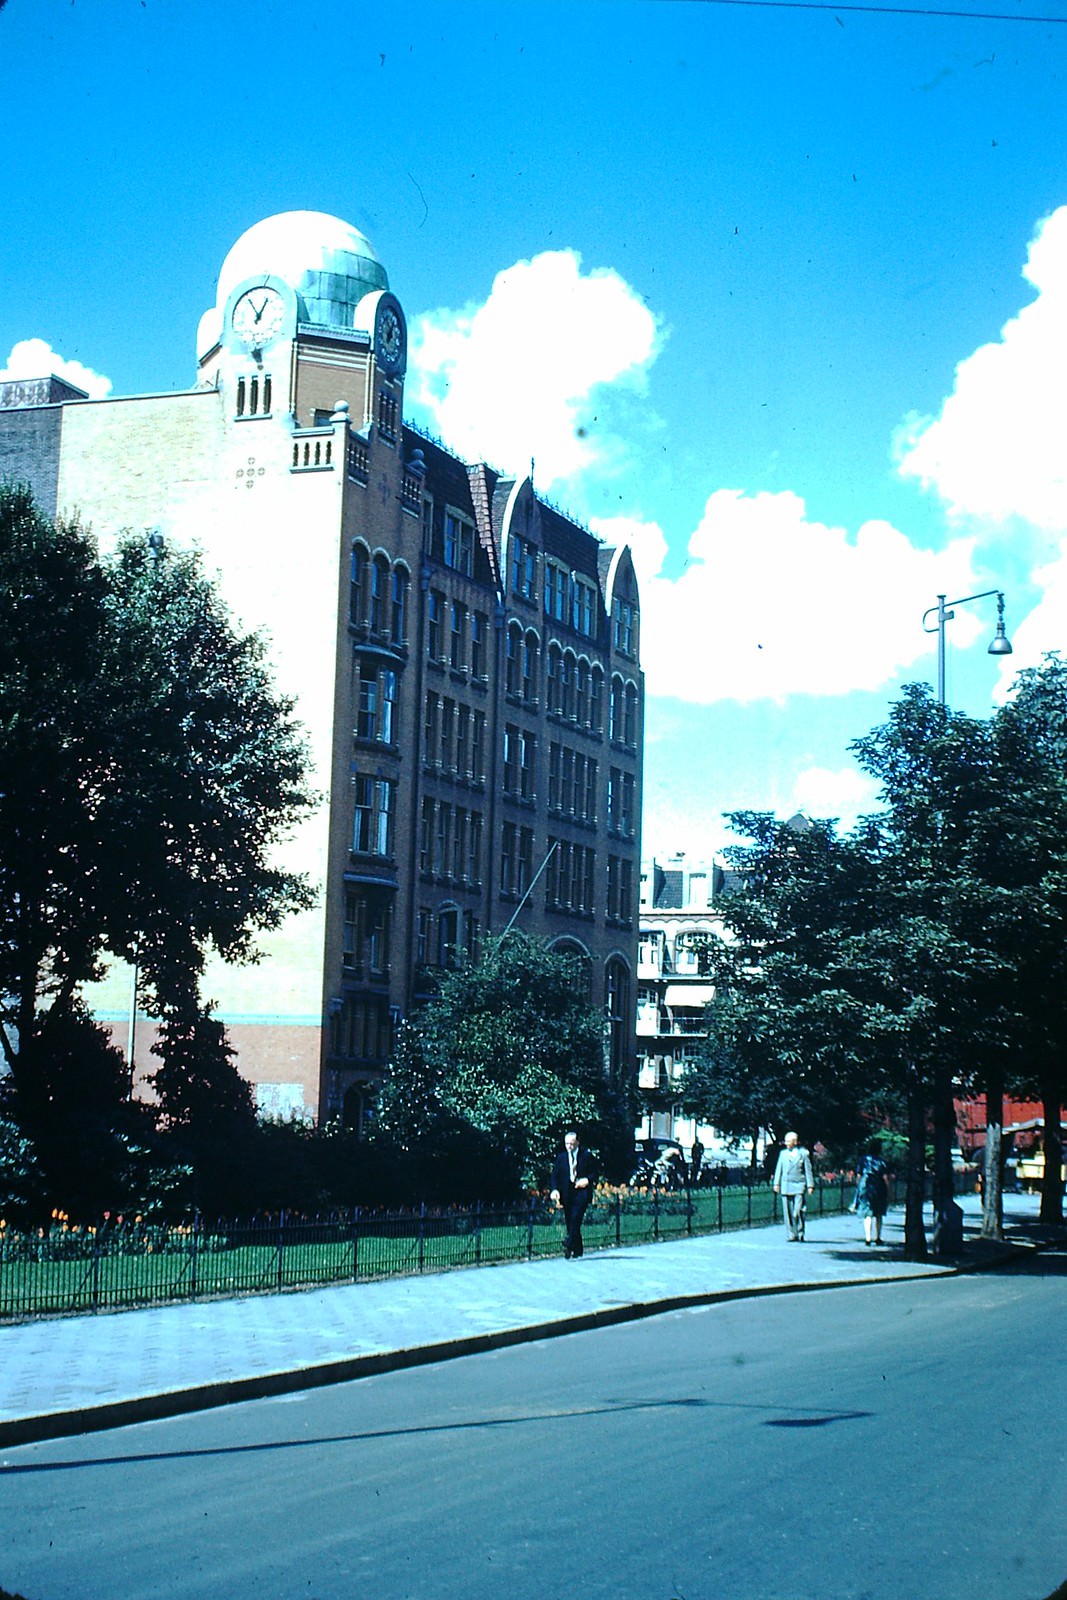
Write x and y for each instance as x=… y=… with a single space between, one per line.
x=573 y=1176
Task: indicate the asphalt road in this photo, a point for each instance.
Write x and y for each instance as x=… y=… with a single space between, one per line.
x=881 y=1443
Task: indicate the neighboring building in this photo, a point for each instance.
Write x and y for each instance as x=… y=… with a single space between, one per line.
x=677 y=919
x=464 y=657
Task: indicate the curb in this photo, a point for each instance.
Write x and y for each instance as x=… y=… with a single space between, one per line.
x=210 y=1396
x=206 y=1397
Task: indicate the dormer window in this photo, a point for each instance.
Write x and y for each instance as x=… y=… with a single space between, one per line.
x=624 y=626
x=459 y=544
x=524 y=568
x=584 y=607
x=557 y=590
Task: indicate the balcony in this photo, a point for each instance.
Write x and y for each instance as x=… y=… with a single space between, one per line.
x=312 y=450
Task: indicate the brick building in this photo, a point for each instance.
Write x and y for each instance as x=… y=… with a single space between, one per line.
x=465 y=658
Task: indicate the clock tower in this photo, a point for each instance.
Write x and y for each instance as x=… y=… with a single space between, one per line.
x=304 y=312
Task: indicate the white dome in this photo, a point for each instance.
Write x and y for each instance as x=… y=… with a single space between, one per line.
x=293 y=245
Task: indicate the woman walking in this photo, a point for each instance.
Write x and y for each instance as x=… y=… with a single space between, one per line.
x=872 y=1196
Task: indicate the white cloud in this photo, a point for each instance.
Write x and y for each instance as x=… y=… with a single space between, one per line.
x=647 y=541
x=35 y=358
x=997 y=448
x=525 y=373
x=1042 y=630
x=771 y=604
x=846 y=794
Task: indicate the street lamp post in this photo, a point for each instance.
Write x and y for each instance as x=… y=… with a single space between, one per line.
x=1000 y=645
x=948 y=1224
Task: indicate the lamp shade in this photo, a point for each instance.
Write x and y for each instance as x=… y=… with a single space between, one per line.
x=1001 y=645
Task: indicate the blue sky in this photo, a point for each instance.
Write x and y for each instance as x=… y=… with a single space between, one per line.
x=779 y=294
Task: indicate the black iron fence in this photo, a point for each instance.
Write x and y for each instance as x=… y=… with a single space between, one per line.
x=132 y=1262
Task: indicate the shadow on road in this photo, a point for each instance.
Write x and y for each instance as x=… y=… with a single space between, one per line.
x=688 y=1402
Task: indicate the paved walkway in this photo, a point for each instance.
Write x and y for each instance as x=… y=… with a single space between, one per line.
x=74 y=1374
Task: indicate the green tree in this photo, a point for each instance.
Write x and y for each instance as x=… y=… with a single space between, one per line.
x=206 y=1106
x=79 y=1144
x=220 y=769
x=56 y=753
x=938 y=897
x=782 y=1030
x=861 y=973
x=491 y=1071
x=147 y=771
x=1031 y=842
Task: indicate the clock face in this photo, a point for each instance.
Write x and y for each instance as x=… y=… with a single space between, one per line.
x=389 y=339
x=259 y=317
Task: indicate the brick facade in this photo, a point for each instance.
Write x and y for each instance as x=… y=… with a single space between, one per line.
x=465 y=660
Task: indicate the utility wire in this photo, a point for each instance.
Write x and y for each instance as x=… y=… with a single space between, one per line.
x=887 y=11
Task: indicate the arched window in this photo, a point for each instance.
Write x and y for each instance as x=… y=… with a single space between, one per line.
x=629 y=726
x=615 y=710
x=513 y=659
x=356 y=1109
x=379 y=590
x=555 y=688
x=448 y=936
x=567 y=676
x=618 y=996
x=398 y=617
x=583 y=967
x=530 y=651
x=357 y=585
x=581 y=693
x=596 y=699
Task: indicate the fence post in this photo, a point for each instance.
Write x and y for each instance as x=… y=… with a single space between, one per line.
x=748 y=1204
x=422 y=1235
x=281 y=1248
x=96 y=1270
x=355 y=1243
x=689 y=1211
x=655 y=1211
x=718 y=1198
x=194 y=1265
x=618 y=1220
x=529 y=1227
x=477 y=1233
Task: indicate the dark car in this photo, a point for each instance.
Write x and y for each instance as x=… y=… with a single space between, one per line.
x=651 y=1149
x=658 y=1163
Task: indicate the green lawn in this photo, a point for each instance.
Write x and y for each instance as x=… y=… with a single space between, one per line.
x=76 y=1270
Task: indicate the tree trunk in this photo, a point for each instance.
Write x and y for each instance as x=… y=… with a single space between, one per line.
x=914 y=1232
x=948 y=1218
x=993 y=1163
x=1052 y=1182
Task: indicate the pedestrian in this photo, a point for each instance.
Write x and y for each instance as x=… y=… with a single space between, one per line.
x=872 y=1195
x=794 y=1181
x=696 y=1158
x=573 y=1176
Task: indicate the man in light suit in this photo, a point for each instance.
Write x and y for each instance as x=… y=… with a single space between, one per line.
x=573 y=1177
x=794 y=1181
